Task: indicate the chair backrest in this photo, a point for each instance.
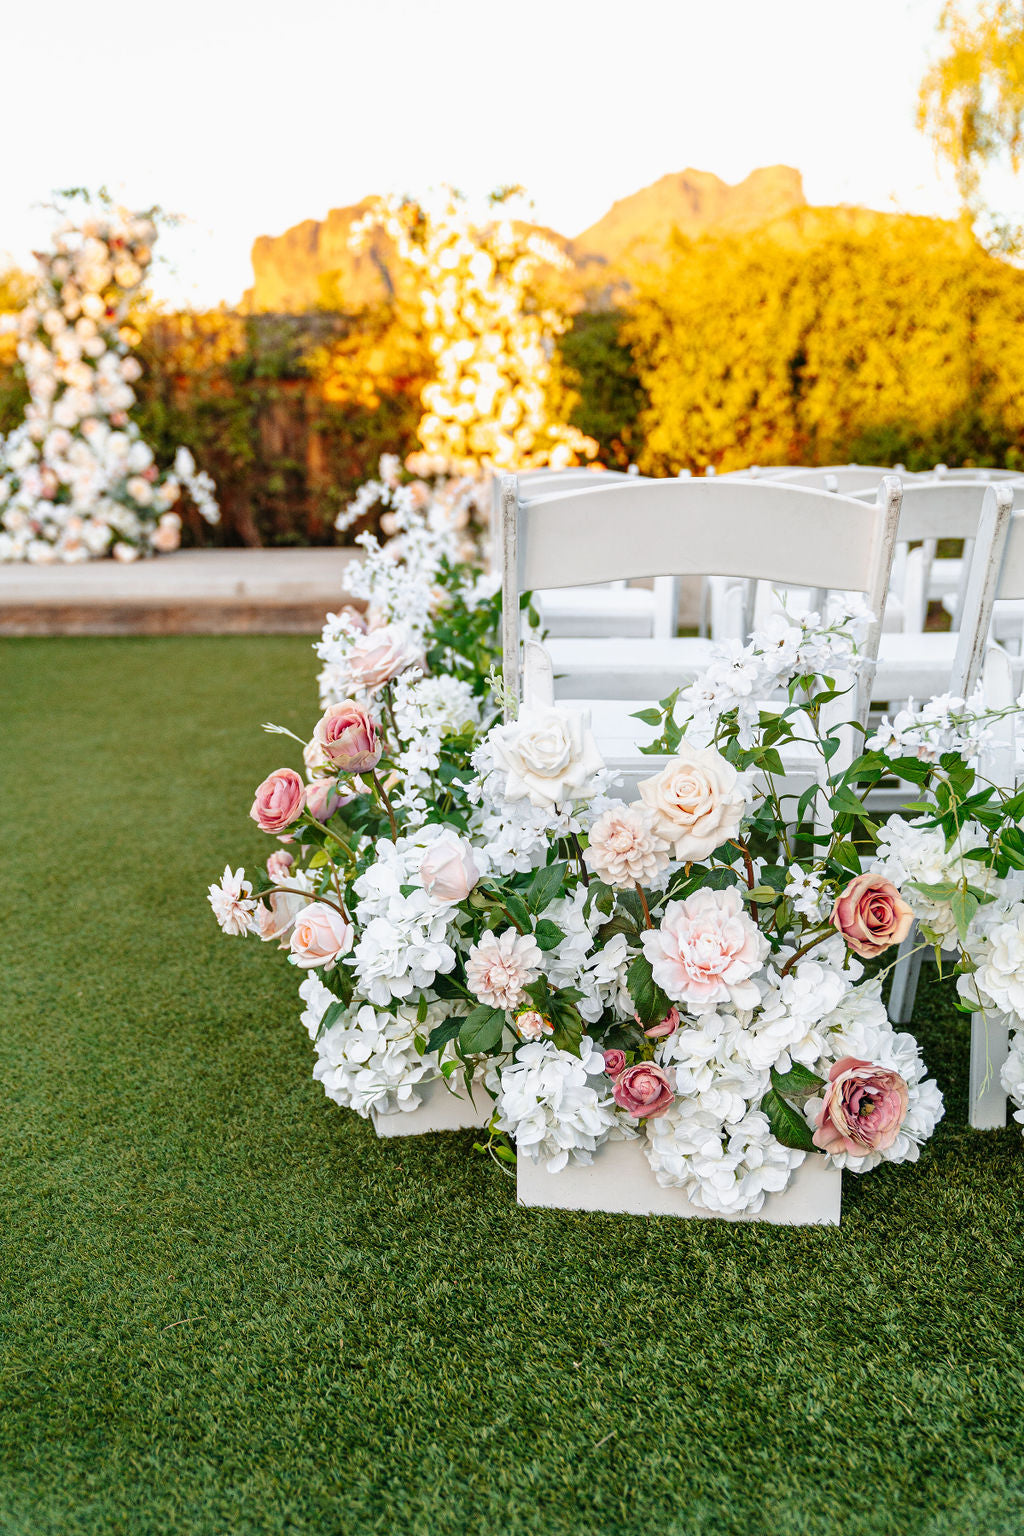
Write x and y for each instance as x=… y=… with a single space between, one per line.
x=940 y=509
x=996 y=570
x=762 y=530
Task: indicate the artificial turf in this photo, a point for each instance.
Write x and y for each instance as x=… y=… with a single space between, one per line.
x=227 y=1308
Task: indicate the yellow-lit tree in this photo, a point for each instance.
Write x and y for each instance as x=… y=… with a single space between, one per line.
x=817 y=341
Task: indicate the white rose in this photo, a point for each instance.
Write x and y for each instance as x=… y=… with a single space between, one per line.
x=448 y=868
x=549 y=755
x=697 y=801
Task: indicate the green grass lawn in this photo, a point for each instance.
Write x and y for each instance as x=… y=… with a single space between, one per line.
x=227 y=1308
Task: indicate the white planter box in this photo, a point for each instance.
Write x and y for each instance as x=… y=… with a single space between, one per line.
x=439 y=1110
x=990 y=1046
x=621 y=1179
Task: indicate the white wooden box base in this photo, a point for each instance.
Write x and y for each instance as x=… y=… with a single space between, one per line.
x=439 y=1110
x=621 y=1179
x=990 y=1046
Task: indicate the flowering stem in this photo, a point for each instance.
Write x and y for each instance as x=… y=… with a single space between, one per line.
x=389 y=711
x=382 y=796
x=748 y=861
x=643 y=903
x=292 y=890
x=819 y=938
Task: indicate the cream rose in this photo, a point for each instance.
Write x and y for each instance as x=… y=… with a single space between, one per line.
x=697 y=801
x=320 y=936
x=548 y=755
x=449 y=869
x=380 y=655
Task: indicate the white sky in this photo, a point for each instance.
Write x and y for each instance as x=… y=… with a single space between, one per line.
x=248 y=117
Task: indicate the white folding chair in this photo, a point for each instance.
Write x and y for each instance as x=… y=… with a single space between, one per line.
x=683 y=527
x=613 y=609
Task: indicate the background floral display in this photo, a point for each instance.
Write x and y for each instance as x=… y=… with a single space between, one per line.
x=77 y=479
x=700 y=970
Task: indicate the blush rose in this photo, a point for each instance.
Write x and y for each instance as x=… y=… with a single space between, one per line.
x=871 y=915
x=347 y=736
x=320 y=936
x=697 y=801
x=279 y=801
x=643 y=1091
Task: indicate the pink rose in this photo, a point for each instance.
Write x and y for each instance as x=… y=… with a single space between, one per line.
x=614 y=1062
x=871 y=915
x=706 y=951
x=323 y=799
x=320 y=936
x=862 y=1110
x=277 y=912
x=278 y=866
x=278 y=801
x=668 y=1026
x=380 y=654
x=642 y=1091
x=531 y=1025
x=348 y=738
x=448 y=868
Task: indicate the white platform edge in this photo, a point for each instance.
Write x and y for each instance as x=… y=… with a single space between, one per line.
x=440 y=1110
x=990 y=1046
x=620 y=1179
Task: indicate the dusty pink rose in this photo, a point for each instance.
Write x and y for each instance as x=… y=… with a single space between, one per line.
x=448 y=868
x=863 y=1108
x=279 y=865
x=323 y=799
x=320 y=936
x=380 y=655
x=279 y=801
x=871 y=915
x=706 y=951
x=348 y=738
x=614 y=1062
x=500 y=968
x=643 y=1091
x=668 y=1026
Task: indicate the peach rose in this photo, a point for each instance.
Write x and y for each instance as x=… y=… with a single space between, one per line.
x=348 y=738
x=643 y=1091
x=448 y=868
x=531 y=1025
x=320 y=936
x=863 y=1108
x=279 y=801
x=278 y=866
x=697 y=801
x=323 y=799
x=380 y=655
x=871 y=915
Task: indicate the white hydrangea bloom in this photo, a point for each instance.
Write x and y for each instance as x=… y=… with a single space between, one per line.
x=317 y=999
x=728 y=1168
x=909 y=851
x=557 y=1106
x=1012 y=1075
x=368 y=1059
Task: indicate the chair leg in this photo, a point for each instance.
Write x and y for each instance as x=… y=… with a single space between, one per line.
x=905 y=976
x=990 y=1046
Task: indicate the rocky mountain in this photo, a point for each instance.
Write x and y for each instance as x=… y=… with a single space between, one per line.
x=312 y=264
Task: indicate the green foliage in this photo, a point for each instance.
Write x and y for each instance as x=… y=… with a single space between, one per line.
x=610 y=397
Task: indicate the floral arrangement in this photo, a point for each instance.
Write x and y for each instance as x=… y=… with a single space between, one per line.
x=479 y=299
x=700 y=969
x=77 y=480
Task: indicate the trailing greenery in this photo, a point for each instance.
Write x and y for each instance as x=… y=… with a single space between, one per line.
x=226 y=1307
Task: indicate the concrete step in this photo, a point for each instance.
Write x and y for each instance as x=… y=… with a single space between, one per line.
x=192 y=592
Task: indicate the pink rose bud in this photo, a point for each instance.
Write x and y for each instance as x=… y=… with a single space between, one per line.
x=643 y=1091
x=863 y=1108
x=278 y=801
x=448 y=868
x=348 y=738
x=320 y=936
x=531 y=1025
x=668 y=1025
x=323 y=799
x=871 y=915
x=614 y=1062
x=279 y=864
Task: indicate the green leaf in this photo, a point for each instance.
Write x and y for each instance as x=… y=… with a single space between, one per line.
x=846 y=854
x=548 y=934
x=441 y=1033
x=788 y=1124
x=332 y=1013
x=568 y=1030
x=547 y=883
x=482 y=1030
x=649 y=1000
x=942 y=890
x=963 y=906
x=517 y=910
x=648 y=716
x=449 y=989
x=761 y=893
x=845 y=803
x=798 y=1083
